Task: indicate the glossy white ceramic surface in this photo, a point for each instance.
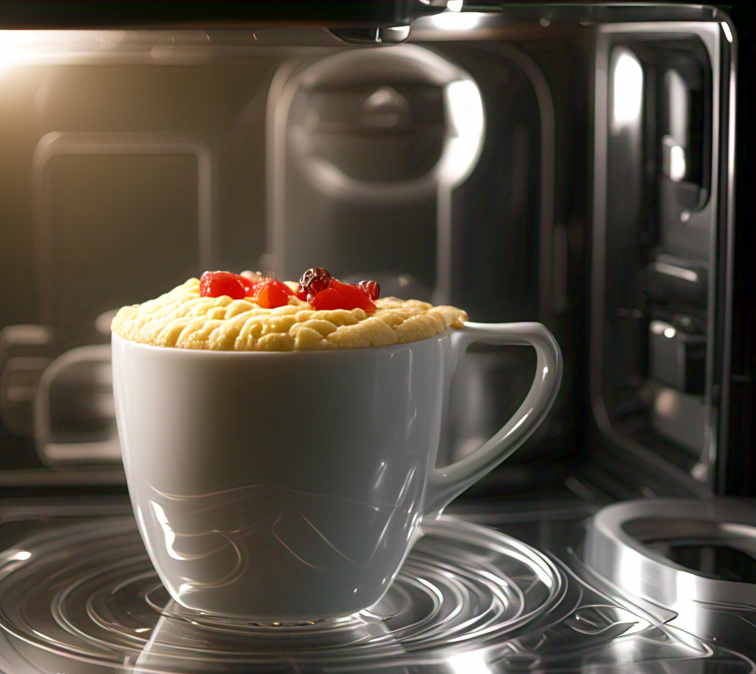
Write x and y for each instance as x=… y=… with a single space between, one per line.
x=291 y=486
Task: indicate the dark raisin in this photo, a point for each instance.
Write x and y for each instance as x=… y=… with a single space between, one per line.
x=314 y=280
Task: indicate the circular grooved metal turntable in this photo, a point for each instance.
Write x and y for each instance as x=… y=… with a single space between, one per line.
x=79 y=594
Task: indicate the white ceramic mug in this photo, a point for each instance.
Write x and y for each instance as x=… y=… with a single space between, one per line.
x=290 y=486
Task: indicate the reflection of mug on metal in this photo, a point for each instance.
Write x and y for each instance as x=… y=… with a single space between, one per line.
x=290 y=486
x=197 y=644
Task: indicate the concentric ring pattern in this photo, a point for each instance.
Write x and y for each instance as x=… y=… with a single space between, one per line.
x=83 y=598
x=87 y=591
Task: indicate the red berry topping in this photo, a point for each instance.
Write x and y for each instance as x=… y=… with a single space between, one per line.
x=314 y=281
x=370 y=288
x=354 y=298
x=270 y=293
x=327 y=299
x=217 y=283
x=267 y=292
x=342 y=296
x=251 y=283
x=316 y=286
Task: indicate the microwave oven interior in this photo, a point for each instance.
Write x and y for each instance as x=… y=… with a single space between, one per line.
x=569 y=164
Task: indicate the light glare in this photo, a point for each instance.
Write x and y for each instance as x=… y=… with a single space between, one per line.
x=727 y=32
x=469 y=663
x=466 y=121
x=456 y=20
x=627 y=85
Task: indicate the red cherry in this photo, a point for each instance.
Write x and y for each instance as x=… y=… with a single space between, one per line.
x=370 y=288
x=270 y=293
x=217 y=283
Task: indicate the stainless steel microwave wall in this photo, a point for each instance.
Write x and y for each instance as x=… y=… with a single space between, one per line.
x=568 y=163
x=571 y=163
x=660 y=309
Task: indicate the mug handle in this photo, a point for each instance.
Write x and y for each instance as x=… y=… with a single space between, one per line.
x=447 y=482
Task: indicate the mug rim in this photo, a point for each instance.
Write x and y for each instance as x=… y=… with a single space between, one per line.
x=233 y=353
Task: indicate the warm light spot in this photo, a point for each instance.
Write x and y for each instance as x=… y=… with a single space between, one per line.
x=21 y=555
x=627 y=91
x=456 y=21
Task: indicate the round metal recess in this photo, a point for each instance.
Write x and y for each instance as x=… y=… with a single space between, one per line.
x=694 y=559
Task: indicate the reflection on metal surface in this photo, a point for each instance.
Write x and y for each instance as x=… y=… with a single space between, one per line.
x=333 y=123
x=388 y=133
x=468 y=600
x=452 y=21
x=675 y=158
x=696 y=559
x=627 y=90
x=74 y=418
x=727 y=31
x=23 y=359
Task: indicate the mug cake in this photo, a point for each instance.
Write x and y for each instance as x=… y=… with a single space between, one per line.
x=251 y=312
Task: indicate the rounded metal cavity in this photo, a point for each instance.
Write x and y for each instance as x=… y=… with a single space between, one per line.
x=693 y=559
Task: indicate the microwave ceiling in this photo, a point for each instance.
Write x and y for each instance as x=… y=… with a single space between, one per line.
x=366 y=14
